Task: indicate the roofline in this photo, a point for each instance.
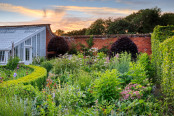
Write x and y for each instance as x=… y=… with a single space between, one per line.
x=25 y=25
x=39 y=25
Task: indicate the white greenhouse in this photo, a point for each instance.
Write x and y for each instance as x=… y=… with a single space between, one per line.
x=26 y=42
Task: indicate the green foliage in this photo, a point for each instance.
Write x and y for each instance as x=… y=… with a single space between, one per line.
x=38 y=60
x=138 y=73
x=162 y=59
x=19 y=72
x=107 y=86
x=83 y=79
x=25 y=91
x=47 y=65
x=96 y=28
x=121 y=26
x=69 y=96
x=12 y=63
x=160 y=34
x=73 y=49
x=65 y=64
x=167 y=68
x=167 y=19
x=139 y=107
x=77 y=32
x=120 y=62
x=59 y=32
x=144 y=60
x=37 y=78
x=90 y=42
x=145 y=20
x=104 y=49
x=13 y=106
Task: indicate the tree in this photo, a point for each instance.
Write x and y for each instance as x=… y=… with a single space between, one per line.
x=167 y=19
x=96 y=28
x=120 y=26
x=59 y=32
x=145 y=20
x=77 y=32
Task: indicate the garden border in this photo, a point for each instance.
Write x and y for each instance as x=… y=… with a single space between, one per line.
x=36 y=78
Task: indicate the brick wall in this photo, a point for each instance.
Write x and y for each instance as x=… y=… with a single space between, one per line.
x=49 y=36
x=143 y=41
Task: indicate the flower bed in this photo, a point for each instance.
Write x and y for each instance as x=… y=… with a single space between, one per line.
x=36 y=78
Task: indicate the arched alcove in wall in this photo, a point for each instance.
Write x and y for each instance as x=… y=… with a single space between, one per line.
x=124 y=44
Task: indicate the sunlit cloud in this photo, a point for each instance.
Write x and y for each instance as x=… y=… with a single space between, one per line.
x=61 y=17
x=97 y=10
x=133 y=2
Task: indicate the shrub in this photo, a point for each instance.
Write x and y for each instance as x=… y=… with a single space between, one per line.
x=162 y=59
x=124 y=44
x=107 y=86
x=104 y=49
x=120 y=62
x=73 y=49
x=159 y=34
x=58 y=45
x=13 y=106
x=167 y=68
x=38 y=60
x=69 y=97
x=138 y=73
x=65 y=63
x=25 y=91
x=47 y=65
x=144 y=60
x=36 y=78
x=12 y=63
x=83 y=80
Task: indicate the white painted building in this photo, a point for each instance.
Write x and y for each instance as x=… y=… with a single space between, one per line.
x=29 y=42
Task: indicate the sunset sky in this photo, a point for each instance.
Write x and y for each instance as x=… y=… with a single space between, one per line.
x=72 y=14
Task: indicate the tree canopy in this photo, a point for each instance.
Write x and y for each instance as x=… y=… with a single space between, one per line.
x=142 y=21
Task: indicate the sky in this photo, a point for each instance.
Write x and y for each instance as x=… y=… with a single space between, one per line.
x=71 y=15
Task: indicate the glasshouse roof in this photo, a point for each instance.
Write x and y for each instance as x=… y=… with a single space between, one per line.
x=16 y=34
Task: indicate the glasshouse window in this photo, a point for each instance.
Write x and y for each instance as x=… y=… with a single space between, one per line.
x=28 y=42
x=16 y=51
x=22 y=51
x=38 y=44
x=2 y=55
x=34 y=46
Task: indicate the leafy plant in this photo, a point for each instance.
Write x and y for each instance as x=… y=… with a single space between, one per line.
x=107 y=86
x=90 y=42
x=47 y=65
x=12 y=63
x=120 y=62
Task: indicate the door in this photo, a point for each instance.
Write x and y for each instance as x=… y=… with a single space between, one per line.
x=28 y=55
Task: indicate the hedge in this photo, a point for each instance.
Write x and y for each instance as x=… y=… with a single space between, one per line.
x=167 y=68
x=160 y=34
x=36 y=78
x=163 y=59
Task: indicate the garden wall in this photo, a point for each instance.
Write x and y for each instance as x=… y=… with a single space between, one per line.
x=143 y=41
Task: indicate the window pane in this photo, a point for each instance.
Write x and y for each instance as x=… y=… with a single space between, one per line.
x=27 y=54
x=28 y=42
x=2 y=56
x=38 y=44
x=21 y=51
x=34 y=46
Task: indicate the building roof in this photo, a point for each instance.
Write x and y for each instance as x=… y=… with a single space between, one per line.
x=17 y=34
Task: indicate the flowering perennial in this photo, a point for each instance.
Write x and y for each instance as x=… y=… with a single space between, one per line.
x=132 y=91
